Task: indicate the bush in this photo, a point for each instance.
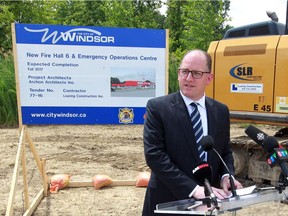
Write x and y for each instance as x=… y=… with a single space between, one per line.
x=8 y=96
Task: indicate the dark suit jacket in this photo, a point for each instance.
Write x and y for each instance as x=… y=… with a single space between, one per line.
x=171 y=150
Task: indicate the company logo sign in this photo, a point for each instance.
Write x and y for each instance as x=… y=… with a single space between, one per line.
x=282 y=154
x=272 y=160
x=73 y=35
x=242 y=72
x=253 y=88
x=282 y=104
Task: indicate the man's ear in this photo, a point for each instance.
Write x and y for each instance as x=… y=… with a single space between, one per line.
x=210 y=78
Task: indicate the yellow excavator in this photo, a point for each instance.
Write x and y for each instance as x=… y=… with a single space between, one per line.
x=250 y=66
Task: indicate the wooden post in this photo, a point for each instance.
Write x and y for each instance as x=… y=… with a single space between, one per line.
x=45 y=179
x=9 y=210
x=115 y=182
x=35 y=154
x=25 y=181
x=21 y=152
x=34 y=203
x=21 y=160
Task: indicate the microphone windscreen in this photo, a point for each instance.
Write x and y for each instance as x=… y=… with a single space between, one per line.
x=269 y=143
x=207 y=143
x=201 y=172
x=255 y=134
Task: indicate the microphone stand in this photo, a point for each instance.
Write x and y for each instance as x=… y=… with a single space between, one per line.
x=282 y=182
x=232 y=185
x=210 y=195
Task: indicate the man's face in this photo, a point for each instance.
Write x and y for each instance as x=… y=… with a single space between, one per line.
x=191 y=87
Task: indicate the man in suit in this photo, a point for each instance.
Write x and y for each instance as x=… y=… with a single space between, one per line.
x=170 y=145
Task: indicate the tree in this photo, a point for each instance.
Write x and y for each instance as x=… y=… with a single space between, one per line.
x=30 y=11
x=193 y=24
x=204 y=23
x=94 y=13
x=145 y=14
x=115 y=80
x=174 y=22
x=70 y=12
x=6 y=17
x=23 y=12
x=134 y=14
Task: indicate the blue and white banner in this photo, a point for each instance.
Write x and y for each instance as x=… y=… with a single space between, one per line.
x=88 y=75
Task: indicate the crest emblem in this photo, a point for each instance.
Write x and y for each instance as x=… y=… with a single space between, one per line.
x=126 y=115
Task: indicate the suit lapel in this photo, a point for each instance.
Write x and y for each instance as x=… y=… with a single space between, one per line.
x=212 y=118
x=186 y=128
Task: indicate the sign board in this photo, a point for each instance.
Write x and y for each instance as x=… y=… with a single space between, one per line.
x=88 y=75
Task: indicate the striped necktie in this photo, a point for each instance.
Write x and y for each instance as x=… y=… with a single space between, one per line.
x=198 y=129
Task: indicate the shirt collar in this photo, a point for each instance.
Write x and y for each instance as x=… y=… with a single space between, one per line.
x=188 y=101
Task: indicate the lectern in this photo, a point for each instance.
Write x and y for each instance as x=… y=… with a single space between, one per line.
x=233 y=204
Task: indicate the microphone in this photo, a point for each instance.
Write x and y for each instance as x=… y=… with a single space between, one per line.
x=278 y=154
x=255 y=134
x=203 y=173
x=207 y=143
x=272 y=159
x=269 y=144
x=259 y=136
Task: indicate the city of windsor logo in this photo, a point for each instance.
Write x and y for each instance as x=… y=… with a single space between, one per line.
x=73 y=35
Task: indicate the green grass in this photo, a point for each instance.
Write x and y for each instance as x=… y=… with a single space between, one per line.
x=8 y=96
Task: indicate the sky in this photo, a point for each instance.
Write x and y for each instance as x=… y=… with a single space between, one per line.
x=243 y=12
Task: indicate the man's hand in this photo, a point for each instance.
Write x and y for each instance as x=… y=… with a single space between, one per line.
x=219 y=193
x=226 y=185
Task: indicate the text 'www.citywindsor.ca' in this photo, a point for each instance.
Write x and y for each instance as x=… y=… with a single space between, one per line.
x=58 y=115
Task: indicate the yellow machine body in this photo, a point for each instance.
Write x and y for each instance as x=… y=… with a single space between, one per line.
x=251 y=77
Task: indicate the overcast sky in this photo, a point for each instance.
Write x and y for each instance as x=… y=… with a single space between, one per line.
x=244 y=12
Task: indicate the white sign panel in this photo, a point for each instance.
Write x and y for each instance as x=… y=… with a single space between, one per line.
x=88 y=75
x=247 y=88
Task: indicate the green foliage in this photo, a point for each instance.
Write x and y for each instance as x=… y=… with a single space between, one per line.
x=203 y=24
x=194 y=24
x=115 y=80
x=94 y=13
x=70 y=12
x=6 y=18
x=23 y=12
x=8 y=102
x=173 y=74
x=174 y=22
x=134 y=14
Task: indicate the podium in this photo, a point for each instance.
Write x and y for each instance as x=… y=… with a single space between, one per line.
x=233 y=204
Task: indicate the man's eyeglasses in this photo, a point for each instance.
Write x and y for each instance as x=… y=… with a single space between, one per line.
x=195 y=74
